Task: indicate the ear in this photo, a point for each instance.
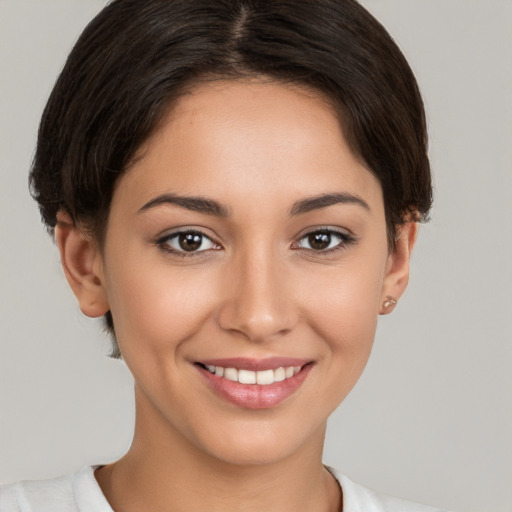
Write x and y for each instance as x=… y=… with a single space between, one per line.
x=397 y=268
x=83 y=266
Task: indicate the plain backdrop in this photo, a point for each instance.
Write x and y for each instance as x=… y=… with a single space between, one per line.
x=431 y=418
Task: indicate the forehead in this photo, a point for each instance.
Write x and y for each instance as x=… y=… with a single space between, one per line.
x=253 y=139
x=255 y=109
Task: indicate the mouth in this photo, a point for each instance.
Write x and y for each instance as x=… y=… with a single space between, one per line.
x=255 y=384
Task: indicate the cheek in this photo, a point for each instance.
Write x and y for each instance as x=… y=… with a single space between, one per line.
x=346 y=302
x=343 y=313
x=156 y=306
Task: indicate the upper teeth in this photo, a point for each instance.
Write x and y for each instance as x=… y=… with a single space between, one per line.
x=263 y=377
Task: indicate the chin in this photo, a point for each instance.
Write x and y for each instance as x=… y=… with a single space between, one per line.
x=245 y=453
x=259 y=444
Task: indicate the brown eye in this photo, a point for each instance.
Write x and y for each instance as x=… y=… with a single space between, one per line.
x=190 y=241
x=325 y=240
x=320 y=240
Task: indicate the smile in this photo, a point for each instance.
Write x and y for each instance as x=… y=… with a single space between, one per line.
x=255 y=384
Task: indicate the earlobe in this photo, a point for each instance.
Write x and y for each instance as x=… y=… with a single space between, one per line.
x=397 y=269
x=82 y=265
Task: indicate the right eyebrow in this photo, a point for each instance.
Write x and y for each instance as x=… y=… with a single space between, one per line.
x=196 y=204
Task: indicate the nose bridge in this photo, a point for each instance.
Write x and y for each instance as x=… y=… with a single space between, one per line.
x=257 y=304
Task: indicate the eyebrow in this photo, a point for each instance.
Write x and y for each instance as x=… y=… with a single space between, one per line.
x=325 y=200
x=212 y=207
x=196 y=204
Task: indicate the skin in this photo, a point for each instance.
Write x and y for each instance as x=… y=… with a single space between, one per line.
x=257 y=290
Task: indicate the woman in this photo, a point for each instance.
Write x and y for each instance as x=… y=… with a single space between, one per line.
x=235 y=186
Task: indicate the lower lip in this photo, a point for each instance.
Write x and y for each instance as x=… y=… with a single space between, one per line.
x=255 y=396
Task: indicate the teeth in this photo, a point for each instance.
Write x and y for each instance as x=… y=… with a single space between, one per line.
x=279 y=374
x=231 y=374
x=246 y=377
x=265 y=377
x=262 y=377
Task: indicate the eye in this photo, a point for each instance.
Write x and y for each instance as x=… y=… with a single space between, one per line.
x=185 y=242
x=324 y=240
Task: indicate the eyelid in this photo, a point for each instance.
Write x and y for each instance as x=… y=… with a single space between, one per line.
x=161 y=242
x=346 y=238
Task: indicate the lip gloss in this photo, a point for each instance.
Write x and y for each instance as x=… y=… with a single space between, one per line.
x=255 y=396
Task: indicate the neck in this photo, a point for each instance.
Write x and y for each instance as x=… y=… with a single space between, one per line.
x=164 y=471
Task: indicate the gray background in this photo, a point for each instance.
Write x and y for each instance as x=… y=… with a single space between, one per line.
x=431 y=418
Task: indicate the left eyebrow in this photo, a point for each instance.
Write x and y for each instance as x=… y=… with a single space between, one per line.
x=325 y=200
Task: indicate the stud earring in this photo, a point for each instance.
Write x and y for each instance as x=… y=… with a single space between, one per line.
x=390 y=301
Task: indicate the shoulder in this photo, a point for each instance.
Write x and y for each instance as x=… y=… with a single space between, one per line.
x=357 y=498
x=40 y=495
x=78 y=492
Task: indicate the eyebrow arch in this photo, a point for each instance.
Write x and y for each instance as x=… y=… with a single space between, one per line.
x=196 y=204
x=324 y=200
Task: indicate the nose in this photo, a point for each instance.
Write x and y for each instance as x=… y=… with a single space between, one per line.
x=257 y=300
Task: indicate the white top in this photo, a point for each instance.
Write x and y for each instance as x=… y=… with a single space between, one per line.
x=80 y=492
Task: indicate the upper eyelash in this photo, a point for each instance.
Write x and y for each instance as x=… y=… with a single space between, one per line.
x=345 y=237
x=160 y=242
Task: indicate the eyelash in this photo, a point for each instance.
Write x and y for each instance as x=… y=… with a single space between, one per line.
x=163 y=243
x=345 y=240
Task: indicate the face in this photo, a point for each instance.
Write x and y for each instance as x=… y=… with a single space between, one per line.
x=244 y=264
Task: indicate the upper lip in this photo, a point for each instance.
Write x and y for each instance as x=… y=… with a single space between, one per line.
x=246 y=363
